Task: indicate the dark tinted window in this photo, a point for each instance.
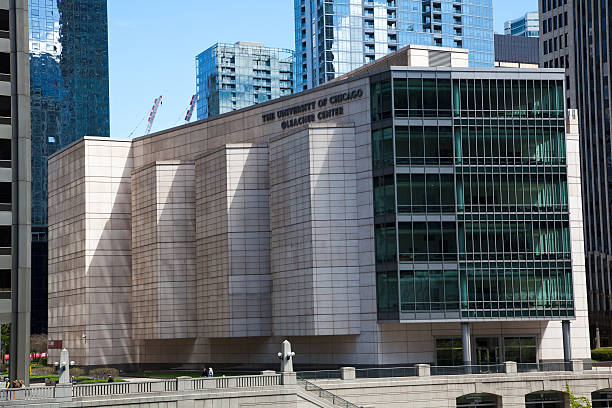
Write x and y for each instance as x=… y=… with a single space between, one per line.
x=5 y=280
x=5 y=193
x=5 y=63
x=5 y=149
x=5 y=236
x=5 y=106
x=4 y=20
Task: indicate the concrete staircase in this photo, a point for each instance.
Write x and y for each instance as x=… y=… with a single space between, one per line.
x=321 y=397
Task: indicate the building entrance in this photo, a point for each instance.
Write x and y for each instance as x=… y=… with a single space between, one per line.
x=487 y=350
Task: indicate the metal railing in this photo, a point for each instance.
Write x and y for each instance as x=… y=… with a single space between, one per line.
x=468 y=369
x=320 y=375
x=385 y=372
x=322 y=393
x=538 y=367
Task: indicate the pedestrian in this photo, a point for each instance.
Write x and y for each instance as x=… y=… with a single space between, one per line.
x=210 y=372
x=204 y=372
x=110 y=378
x=73 y=380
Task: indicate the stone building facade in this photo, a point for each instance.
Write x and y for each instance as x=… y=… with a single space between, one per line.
x=211 y=242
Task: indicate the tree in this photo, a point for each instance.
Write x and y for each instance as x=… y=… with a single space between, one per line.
x=577 y=402
x=38 y=343
x=5 y=339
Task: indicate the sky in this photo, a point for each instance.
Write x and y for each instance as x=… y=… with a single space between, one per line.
x=153 y=44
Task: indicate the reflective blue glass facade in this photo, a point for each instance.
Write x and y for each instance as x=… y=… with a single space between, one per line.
x=235 y=76
x=68 y=82
x=69 y=100
x=525 y=26
x=333 y=38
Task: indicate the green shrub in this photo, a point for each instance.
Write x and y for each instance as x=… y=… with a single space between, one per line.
x=102 y=373
x=602 y=354
x=43 y=370
x=77 y=372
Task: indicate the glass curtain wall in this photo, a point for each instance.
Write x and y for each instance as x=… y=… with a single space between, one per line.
x=471 y=212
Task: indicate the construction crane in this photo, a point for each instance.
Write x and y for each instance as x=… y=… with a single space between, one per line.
x=194 y=99
x=156 y=104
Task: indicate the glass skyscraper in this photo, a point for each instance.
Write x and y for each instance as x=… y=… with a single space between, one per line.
x=470 y=198
x=234 y=76
x=334 y=38
x=525 y=26
x=69 y=100
x=576 y=35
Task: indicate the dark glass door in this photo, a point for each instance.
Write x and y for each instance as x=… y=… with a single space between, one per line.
x=487 y=350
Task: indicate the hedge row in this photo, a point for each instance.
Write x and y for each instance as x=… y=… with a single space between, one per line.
x=602 y=354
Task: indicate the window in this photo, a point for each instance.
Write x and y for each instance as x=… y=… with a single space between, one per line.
x=449 y=352
x=478 y=400
x=429 y=290
x=381 y=100
x=5 y=106
x=5 y=151
x=385 y=243
x=602 y=398
x=423 y=241
x=421 y=193
x=5 y=193
x=4 y=20
x=382 y=147
x=5 y=280
x=520 y=349
x=545 y=399
x=5 y=236
x=384 y=195
x=5 y=63
x=386 y=295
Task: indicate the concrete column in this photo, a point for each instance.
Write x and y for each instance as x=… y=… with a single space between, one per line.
x=577 y=366
x=19 y=367
x=466 y=334
x=567 y=345
x=63 y=392
x=289 y=378
x=423 y=370
x=510 y=367
x=347 y=373
x=597 y=336
x=184 y=384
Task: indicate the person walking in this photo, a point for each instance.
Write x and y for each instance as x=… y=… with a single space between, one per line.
x=110 y=378
x=210 y=372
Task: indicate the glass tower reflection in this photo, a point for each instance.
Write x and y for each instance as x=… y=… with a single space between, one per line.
x=69 y=99
x=235 y=76
x=333 y=38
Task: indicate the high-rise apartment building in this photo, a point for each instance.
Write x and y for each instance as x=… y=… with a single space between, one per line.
x=557 y=42
x=332 y=39
x=236 y=76
x=69 y=100
x=525 y=26
x=576 y=36
x=15 y=197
